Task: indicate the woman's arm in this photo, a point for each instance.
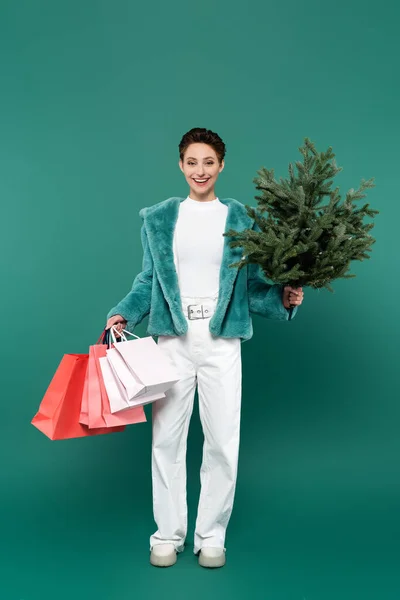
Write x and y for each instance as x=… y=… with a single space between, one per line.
x=136 y=304
x=266 y=299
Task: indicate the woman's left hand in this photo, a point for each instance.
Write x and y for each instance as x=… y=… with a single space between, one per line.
x=292 y=296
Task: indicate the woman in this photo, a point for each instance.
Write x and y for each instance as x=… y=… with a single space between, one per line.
x=200 y=309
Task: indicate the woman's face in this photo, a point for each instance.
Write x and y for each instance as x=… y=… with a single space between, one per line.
x=201 y=168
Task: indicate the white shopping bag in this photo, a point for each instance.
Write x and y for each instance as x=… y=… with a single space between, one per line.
x=148 y=363
x=132 y=385
x=116 y=392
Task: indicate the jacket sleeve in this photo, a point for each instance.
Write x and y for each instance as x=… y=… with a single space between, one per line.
x=265 y=299
x=136 y=304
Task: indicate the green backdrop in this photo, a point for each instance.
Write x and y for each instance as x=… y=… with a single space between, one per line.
x=95 y=97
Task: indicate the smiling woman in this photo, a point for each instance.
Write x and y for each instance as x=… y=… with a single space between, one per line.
x=199 y=307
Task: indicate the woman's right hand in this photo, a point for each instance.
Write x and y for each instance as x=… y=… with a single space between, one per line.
x=118 y=322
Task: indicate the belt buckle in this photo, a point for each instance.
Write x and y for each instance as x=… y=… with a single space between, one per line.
x=198 y=311
x=194 y=314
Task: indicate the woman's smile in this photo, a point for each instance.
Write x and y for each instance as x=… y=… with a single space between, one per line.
x=201 y=182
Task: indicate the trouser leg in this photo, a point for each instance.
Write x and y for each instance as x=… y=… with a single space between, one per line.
x=219 y=390
x=170 y=424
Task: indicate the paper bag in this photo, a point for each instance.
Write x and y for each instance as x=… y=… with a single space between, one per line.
x=116 y=392
x=58 y=416
x=99 y=413
x=149 y=364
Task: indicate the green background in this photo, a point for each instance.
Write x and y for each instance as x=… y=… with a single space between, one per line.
x=95 y=97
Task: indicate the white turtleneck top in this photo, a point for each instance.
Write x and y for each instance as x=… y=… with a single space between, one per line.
x=198 y=246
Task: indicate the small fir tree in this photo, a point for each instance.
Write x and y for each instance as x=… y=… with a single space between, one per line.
x=302 y=242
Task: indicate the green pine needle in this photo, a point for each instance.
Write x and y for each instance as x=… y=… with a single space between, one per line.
x=304 y=239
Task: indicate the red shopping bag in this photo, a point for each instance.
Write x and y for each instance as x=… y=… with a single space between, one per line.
x=95 y=409
x=59 y=411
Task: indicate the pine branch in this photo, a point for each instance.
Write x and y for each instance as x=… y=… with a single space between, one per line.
x=304 y=239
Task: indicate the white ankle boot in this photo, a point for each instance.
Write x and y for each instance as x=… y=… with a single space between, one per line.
x=211 y=557
x=163 y=555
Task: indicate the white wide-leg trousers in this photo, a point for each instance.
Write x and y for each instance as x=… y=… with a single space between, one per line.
x=214 y=364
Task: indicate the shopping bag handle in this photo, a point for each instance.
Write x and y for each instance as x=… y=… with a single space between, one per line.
x=105 y=338
x=132 y=334
x=122 y=334
x=102 y=337
x=112 y=331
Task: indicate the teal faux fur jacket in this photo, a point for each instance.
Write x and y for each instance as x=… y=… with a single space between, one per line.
x=155 y=290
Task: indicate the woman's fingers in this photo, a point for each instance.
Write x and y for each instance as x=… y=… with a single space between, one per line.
x=116 y=321
x=294 y=295
x=296 y=298
x=117 y=328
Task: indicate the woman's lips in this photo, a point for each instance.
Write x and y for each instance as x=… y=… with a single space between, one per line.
x=201 y=184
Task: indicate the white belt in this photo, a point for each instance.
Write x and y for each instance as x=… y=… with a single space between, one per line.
x=200 y=311
x=203 y=310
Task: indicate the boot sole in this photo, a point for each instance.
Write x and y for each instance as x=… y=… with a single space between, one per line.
x=163 y=561
x=211 y=562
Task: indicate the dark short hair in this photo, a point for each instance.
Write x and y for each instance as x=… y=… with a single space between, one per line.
x=205 y=136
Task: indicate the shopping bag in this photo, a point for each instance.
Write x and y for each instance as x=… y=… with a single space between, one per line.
x=116 y=392
x=99 y=413
x=150 y=365
x=123 y=387
x=131 y=384
x=84 y=416
x=58 y=416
